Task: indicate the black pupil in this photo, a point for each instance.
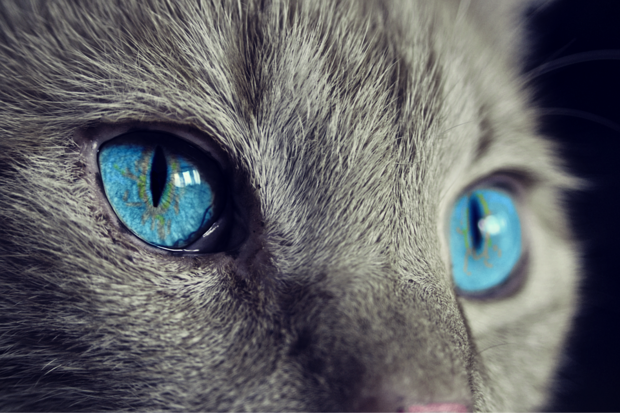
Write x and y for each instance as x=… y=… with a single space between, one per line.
x=159 y=175
x=475 y=215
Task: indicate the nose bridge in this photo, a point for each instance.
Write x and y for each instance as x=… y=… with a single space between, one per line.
x=403 y=345
x=371 y=315
x=327 y=201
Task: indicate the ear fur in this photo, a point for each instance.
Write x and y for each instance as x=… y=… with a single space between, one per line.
x=504 y=21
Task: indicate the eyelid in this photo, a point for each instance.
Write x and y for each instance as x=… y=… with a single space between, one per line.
x=91 y=139
x=509 y=182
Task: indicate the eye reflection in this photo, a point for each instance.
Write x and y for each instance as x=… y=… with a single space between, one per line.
x=491 y=225
x=186 y=178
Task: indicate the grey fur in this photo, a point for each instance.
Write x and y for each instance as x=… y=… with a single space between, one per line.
x=349 y=130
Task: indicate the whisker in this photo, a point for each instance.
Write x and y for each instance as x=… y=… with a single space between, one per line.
x=583 y=115
x=590 y=56
x=490 y=347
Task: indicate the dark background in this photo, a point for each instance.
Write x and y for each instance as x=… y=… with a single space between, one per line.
x=581 y=107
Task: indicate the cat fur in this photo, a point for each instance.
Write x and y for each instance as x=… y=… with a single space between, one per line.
x=348 y=130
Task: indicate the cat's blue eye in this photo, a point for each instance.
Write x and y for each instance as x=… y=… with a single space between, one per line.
x=485 y=240
x=164 y=190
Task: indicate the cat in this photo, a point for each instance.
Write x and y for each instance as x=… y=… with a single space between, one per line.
x=380 y=226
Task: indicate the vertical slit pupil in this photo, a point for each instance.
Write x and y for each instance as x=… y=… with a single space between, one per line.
x=475 y=215
x=159 y=175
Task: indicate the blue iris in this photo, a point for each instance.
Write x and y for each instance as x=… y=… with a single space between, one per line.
x=163 y=189
x=485 y=240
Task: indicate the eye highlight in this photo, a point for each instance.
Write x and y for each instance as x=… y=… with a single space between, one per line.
x=485 y=240
x=164 y=190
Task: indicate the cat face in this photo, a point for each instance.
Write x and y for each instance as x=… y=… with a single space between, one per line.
x=275 y=207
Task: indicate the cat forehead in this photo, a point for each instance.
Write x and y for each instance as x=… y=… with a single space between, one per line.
x=309 y=81
x=284 y=71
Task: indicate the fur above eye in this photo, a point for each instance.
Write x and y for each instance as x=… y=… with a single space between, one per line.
x=166 y=191
x=485 y=240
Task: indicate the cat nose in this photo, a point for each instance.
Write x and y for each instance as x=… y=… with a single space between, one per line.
x=436 y=407
x=420 y=408
x=381 y=404
x=402 y=392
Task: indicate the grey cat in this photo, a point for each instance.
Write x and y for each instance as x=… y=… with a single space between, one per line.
x=342 y=138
